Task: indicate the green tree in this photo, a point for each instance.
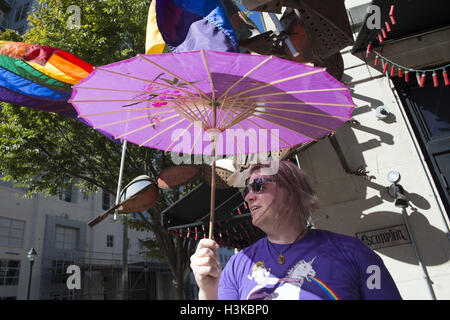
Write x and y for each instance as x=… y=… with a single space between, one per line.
x=11 y=35
x=42 y=151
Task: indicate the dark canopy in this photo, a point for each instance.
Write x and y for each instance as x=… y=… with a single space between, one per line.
x=189 y=217
x=411 y=16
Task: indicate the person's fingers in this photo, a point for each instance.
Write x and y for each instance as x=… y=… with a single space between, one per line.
x=207 y=243
x=205 y=271
x=207 y=261
x=204 y=259
x=207 y=252
x=207 y=247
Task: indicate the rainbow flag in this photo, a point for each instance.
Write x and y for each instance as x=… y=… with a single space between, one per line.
x=188 y=25
x=41 y=77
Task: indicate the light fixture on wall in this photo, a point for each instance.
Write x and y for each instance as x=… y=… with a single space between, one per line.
x=394 y=176
x=396 y=191
x=382 y=112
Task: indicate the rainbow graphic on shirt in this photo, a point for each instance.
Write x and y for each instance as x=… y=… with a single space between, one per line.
x=325 y=288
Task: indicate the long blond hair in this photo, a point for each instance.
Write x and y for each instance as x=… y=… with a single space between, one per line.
x=301 y=197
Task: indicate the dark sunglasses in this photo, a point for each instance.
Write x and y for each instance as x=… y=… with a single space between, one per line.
x=256 y=186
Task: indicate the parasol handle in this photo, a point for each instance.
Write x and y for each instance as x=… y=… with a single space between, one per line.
x=213 y=134
x=213 y=194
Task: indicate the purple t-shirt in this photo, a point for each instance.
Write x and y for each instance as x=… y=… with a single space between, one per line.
x=321 y=266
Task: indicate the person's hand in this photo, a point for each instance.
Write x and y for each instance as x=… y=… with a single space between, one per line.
x=206 y=267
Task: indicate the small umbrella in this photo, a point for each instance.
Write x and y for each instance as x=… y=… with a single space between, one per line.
x=246 y=103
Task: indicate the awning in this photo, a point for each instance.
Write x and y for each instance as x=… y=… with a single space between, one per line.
x=411 y=17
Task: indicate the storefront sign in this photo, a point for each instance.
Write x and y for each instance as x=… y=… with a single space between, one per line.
x=387 y=237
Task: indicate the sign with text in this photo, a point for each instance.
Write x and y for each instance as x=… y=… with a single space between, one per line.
x=386 y=237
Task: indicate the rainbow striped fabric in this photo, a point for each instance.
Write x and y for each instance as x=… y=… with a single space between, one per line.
x=39 y=77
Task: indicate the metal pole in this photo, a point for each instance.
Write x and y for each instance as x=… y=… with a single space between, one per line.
x=280 y=28
x=125 y=262
x=419 y=154
x=124 y=228
x=29 y=279
x=119 y=183
x=298 y=162
x=309 y=221
x=146 y=280
x=413 y=242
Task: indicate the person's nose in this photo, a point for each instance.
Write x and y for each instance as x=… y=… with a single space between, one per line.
x=250 y=196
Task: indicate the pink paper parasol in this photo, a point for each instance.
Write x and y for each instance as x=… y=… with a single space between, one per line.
x=247 y=103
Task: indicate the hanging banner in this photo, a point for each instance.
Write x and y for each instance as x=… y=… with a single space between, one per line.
x=386 y=237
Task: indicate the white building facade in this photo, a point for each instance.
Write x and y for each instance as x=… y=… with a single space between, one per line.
x=56 y=227
x=13 y=14
x=353 y=184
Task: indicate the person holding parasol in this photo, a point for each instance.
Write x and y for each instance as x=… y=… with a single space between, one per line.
x=293 y=261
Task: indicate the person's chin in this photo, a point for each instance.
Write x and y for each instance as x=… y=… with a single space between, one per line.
x=257 y=217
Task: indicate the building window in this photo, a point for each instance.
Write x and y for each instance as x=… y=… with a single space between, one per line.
x=59 y=271
x=66 y=192
x=11 y=232
x=9 y=272
x=106 y=200
x=109 y=240
x=66 y=238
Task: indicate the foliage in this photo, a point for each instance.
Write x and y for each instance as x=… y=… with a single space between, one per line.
x=41 y=152
x=108 y=31
x=11 y=35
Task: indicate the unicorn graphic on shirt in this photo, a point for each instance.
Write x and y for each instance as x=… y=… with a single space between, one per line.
x=287 y=288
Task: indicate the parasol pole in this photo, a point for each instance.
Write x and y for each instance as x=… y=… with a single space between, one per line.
x=213 y=190
x=213 y=134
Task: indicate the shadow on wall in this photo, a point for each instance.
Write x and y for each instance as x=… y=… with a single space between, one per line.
x=347 y=142
x=353 y=185
x=430 y=240
x=431 y=255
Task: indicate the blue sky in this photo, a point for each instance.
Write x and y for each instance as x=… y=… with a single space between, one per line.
x=255 y=17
